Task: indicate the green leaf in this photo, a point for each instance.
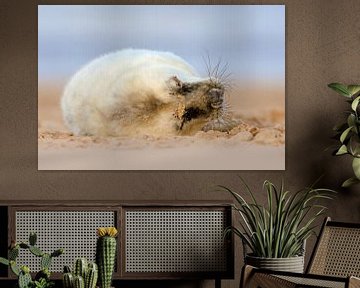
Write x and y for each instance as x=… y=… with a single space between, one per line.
x=4 y=261
x=355 y=103
x=351 y=120
x=356 y=167
x=354 y=145
x=14 y=268
x=340 y=88
x=342 y=150
x=279 y=228
x=345 y=134
x=353 y=89
x=349 y=182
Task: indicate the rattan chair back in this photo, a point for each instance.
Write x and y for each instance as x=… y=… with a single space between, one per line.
x=337 y=252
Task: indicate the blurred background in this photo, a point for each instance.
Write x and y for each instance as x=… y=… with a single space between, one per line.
x=250 y=39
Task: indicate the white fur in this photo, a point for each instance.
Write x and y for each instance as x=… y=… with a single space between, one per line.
x=107 y=96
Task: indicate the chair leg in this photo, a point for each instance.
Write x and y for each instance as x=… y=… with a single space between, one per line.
x=246 y=273
x=217 y=283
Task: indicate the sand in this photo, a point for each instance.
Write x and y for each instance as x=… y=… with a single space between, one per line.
x=257 y=143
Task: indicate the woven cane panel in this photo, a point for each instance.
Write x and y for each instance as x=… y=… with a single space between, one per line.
x=306 y=282
x=268 y=280
x=75 y=231
x=175 y=241
x=338 y=253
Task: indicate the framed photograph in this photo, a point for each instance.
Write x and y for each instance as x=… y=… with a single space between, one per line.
x=161 y=87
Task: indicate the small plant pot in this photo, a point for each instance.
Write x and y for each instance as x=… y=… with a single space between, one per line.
x=291 y=264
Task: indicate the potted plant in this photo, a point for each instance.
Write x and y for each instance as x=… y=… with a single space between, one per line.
x=87 y=274
x=276 y=233
x=106 y=254
x=348 y=132
x=42 y=278
x=84 y=274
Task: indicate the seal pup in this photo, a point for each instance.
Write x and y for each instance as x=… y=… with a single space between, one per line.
x=132 y=92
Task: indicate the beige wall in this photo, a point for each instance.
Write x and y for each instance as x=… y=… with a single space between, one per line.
x=323 y=46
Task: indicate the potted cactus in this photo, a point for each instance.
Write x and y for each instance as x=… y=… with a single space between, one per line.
x=348 y=132
x=42 y=278
x=84 y=275
x=106 y=254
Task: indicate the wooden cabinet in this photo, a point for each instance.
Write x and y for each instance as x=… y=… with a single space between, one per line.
x=166 y=240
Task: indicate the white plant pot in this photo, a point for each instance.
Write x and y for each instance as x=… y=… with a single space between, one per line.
x=291 y=264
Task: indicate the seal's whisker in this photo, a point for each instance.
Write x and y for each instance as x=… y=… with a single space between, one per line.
x=208 y=64
x=226 y=79
x=223 y=70
x=227 y=76
x=216 y=69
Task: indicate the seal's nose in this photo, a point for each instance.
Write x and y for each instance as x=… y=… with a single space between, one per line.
x=216 y=97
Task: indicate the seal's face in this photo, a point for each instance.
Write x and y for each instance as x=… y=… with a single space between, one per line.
x=201 y=99
x=215 y=97
x=206 y=95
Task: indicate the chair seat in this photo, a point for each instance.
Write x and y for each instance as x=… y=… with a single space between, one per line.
x=267 y=279
x=315 y=282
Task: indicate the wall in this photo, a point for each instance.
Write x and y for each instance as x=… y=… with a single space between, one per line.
x=323 y=46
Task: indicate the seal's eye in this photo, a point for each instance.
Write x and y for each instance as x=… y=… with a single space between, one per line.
x=216 y=97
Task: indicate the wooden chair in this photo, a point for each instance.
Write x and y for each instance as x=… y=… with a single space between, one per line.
x=334 y=263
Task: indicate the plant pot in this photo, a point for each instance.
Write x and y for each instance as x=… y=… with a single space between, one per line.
x=291 y=264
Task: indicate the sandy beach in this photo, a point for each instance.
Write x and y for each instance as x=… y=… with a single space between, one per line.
x=257 y=143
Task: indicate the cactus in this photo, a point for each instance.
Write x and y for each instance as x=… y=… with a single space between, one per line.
x=36 y=251
x=91 y=276
x=24 y=246
x=67 y=269
x=106 y=254
x=43 y=274
x=24 y=280
x=79 y=282
x=68 y=280
x=42 y=278
x=45 y=261
x=32 y=239
x=80 y=267
x=88 y=273
x=13 y=253
x=57 y=252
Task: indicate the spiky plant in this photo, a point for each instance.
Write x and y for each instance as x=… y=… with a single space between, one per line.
x=43 y=283
x=84 y=273
x=106 y=254
x=279 y=229
x=42 y=278
x=348 y=133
